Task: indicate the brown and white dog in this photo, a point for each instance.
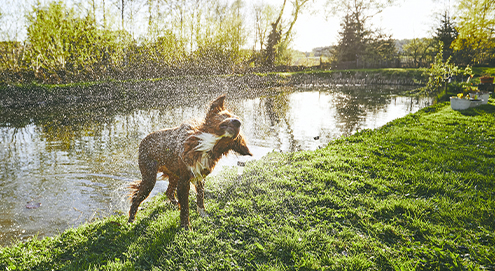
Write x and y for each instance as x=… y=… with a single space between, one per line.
x=186 y=154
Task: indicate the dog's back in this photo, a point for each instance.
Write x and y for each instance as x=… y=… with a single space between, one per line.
x=165 y=147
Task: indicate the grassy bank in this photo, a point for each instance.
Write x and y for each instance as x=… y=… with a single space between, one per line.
x=418 y=193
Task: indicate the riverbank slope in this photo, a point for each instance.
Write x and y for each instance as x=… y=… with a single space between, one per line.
x=418 y=193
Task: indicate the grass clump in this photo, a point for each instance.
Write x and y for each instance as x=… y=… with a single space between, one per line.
x=418 y=193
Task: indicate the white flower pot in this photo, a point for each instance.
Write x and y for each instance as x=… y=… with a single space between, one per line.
x=475 y=103
x=485 y=97
x=459 y=104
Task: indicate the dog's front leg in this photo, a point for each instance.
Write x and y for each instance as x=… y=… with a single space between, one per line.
x=183 y=195
x=200 y=195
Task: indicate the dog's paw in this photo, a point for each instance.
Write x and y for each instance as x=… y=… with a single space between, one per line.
x=185 y=228
x=202 y=212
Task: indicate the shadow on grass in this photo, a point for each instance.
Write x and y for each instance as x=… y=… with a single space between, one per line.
x=113 y=240
x=479 y=110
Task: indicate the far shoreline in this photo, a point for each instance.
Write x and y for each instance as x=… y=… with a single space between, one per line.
x=33 y=94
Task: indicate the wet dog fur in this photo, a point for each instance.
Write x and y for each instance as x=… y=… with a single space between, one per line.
x=187 y=154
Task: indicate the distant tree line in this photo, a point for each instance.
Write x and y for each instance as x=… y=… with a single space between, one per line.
x=133 y=39
x=467 y=37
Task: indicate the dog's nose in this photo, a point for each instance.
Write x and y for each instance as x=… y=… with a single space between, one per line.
x=236 y=122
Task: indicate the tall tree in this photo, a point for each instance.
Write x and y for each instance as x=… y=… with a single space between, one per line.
x=446 y=33
x=273 y=39
x=150 y=18
x=352 y=41
x=271 y=45
x=264 y=16
x=277 y=45
x=122 y=10
x=104 y=15
x=359 y=42
x=297 y=6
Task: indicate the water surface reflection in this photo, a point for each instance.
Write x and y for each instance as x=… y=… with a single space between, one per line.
x=77 y=161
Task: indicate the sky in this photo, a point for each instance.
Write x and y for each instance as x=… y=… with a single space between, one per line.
x=407 y=20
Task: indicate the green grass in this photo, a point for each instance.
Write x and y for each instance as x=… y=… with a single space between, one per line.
x=416 y=194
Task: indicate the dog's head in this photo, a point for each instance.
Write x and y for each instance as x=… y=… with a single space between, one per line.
x=222 y=123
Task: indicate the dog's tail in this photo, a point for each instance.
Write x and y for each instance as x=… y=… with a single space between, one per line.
x=139 y=191
x=133 y=198
x=134 y=188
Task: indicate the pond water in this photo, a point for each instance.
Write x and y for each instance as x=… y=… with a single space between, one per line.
x=62 y=166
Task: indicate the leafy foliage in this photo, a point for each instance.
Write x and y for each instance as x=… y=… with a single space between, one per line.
x=441 y=72
x=61 y=42
x=420 y=50
x=183 y=37
x=476 y=21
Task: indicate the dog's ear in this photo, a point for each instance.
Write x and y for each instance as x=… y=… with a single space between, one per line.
x=217 y=105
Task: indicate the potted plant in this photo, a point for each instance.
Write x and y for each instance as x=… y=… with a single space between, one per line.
x=486 y=79
x=470 y=96
x=461 y=102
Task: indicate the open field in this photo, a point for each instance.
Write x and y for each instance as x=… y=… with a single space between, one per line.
x=418 y=193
